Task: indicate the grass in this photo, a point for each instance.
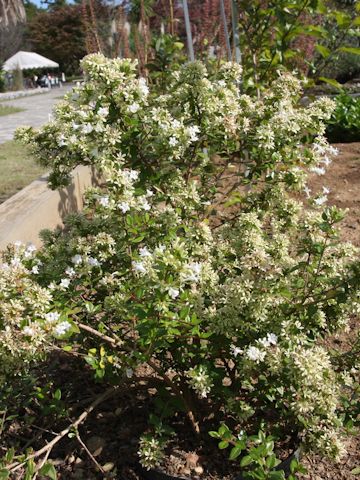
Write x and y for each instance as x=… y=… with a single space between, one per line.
x=9 y=109
x=18 y=168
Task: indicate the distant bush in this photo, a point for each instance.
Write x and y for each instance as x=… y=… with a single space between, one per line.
x=2 y=79
x=344 y=124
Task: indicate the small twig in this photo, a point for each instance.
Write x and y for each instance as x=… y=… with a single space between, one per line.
x=152 y=364
x=42 y=463
x=3 y=421
x=91 y=456
x=46 y=449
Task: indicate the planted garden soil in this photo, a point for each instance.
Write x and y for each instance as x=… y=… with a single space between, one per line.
x=111 y=432
x=343 y=179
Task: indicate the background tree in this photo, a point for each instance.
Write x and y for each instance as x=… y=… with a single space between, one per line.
x=12 y=22
x=58 y=33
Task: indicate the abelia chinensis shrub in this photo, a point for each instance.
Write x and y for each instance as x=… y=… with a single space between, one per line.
x=203 y=256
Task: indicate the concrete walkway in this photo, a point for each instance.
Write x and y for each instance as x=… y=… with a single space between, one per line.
x=37 y=109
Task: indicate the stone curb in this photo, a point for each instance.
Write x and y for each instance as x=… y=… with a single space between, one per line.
x=36 y=207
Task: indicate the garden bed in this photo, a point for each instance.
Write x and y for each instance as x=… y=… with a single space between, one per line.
x=111 y=434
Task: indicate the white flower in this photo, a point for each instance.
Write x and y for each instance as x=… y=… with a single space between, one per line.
x=173 y=292
x=18 y=244
x=235 y=350
x=62 y=142
x=192 y=132
x=87 y=128
x=134 y=107
x=139 y=267
x=124 y=207
x=29 y=331
x=144 y=252
x=321 y=200
x=103 y=111
x=326 y=161
x=93 y=262
x=64 y=283
x=143 y=88
x=52 y=317
x=15 y=262
x=318 y=148
x=149 y=193
x=173 y=141
x=77 y=259
x=255 y=354
x=70 y=271
x=195 y=267
x=35 y=269
x=326 y=190
x=104 y=201
x=129 y=372
x=133 y=174
x=144 y=204
x=161 y=248
x=333 y=151
x=307 y=191
x=272 y=338
x=318 y=170
x=30 y=249
x=62 y=328
x=195 y=271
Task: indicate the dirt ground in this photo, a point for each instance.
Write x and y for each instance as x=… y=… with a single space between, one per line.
x=343 y=179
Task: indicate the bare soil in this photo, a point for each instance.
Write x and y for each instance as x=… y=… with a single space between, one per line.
x=343 y=179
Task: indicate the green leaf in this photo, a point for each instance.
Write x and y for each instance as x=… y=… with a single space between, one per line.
x=246 y=461
x=278 y=475
x=324 y=51
x=235 y=451
x=57 y=394
x=271 y=461
x=354 y=50
x=355 y=471
x=48 y=470
x=214 y=434
x=4 y=474
x=331 y=81
x=223 y=444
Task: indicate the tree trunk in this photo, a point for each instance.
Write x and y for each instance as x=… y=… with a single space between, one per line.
x=12 y=21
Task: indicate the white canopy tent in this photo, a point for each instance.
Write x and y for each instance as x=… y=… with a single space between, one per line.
x=25 y=60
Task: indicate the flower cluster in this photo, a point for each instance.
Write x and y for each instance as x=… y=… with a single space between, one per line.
x=196 y=254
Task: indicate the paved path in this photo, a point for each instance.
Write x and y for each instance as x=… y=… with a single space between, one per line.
x=37 y=109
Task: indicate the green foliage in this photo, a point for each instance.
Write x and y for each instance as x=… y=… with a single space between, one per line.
x=198 y=260
x=278 y=35
x=256 y=455
x=168 y=55
x=2 y=78
x=344 y=124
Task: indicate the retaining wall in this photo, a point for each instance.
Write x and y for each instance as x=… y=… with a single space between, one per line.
x=36 y=207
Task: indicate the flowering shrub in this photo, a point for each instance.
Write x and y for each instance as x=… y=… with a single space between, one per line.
x=199 y=257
